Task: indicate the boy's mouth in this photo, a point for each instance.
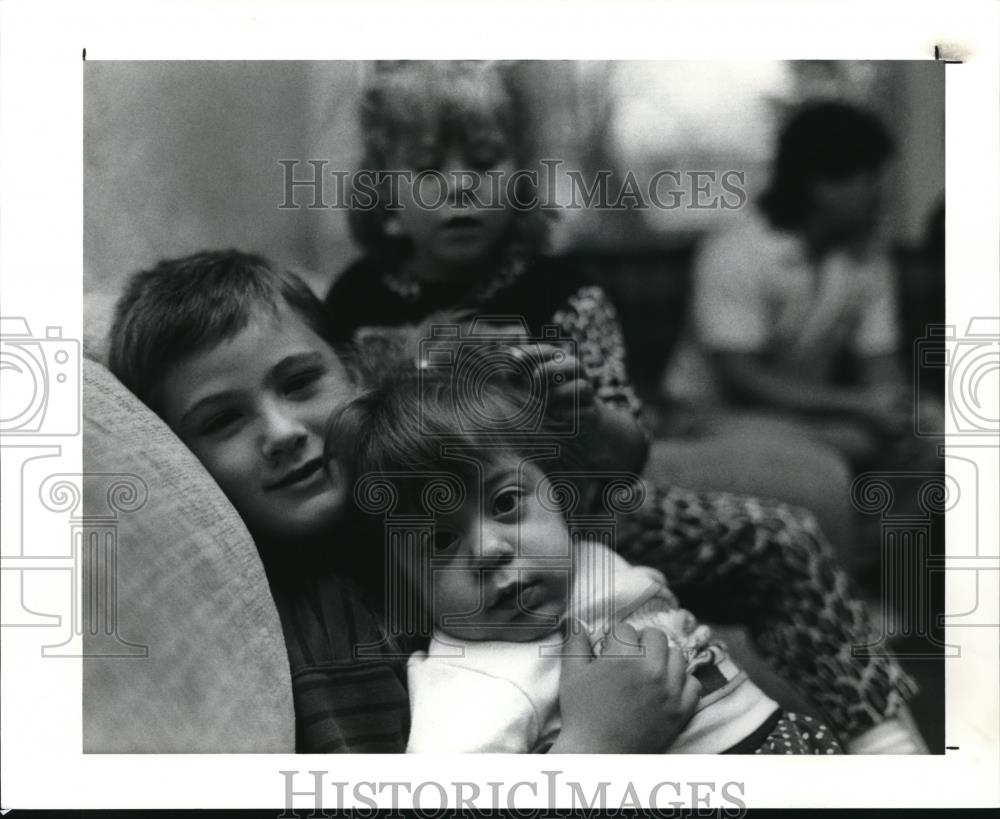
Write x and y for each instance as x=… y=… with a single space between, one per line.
x=298 y=475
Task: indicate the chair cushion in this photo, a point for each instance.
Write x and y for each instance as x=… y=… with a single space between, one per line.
x=190 y=586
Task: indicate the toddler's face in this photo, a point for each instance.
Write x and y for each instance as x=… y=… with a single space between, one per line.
x=501 y=563
x=254 y=410
x=457 y=215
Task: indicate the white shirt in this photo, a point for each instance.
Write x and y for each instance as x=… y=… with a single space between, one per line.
x=503 y=697
x=756 y=291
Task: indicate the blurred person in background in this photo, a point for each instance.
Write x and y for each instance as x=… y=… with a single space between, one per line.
x=797 y=306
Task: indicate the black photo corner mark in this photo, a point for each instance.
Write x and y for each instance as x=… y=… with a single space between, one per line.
x=85 y=55
x=949 y=53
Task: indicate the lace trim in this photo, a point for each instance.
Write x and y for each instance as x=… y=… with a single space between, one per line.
x=405 y=284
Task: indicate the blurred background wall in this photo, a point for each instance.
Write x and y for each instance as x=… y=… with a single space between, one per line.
x=183 y=156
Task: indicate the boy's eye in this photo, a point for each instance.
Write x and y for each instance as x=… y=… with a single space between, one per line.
x=445 y=541
x=507 y=501
x=219 y=423
x=303 y=381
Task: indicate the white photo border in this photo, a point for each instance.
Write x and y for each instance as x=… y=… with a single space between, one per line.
x=41 y=179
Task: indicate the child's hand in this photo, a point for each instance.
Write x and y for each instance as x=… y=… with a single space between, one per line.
x=624 y=704
x=615 y=438
x=568 y=388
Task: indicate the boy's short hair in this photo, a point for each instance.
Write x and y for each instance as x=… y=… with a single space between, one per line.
x=403 y=424
x=182 y=306
x=823 y=141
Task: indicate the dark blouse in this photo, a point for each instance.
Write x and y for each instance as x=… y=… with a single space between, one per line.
x=544 y=292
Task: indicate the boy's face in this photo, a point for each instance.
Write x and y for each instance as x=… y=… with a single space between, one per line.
x=457 y=212
x=254 y=409
x=502 y=559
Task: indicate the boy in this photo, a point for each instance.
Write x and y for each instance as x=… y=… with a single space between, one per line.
x=233 y=356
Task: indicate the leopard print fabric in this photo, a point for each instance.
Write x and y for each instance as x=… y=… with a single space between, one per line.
x=767 y=566
x=591 y=320
x=762 y=564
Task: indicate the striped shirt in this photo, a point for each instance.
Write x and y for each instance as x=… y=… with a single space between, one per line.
x=348 y=683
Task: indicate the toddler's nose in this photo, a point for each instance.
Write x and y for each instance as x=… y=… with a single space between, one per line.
x=497 y=549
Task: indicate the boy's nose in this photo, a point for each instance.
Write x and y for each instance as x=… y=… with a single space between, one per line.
x=283 y=434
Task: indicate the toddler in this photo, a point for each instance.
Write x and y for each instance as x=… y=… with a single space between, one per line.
x=498 y=570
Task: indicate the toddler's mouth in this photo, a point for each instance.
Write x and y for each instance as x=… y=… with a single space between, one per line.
x=513 y=595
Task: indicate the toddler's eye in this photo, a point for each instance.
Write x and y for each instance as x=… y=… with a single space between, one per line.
x=507 y=501
x=444 y=541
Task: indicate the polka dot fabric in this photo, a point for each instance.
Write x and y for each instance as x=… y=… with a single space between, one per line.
x=799 y=735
